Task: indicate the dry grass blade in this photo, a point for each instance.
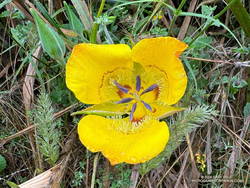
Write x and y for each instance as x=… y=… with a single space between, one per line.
x=208 y=149
x=84 y=13
x=28 y=96
x=186 y=21
x=181 y=170
x=32 y=127
x=5 y=70
x=20 y=133
x=67 y=150
x=21 y=6
x=168 y=171
x=231 y=164
x=28 y=85
x=134 y=177
x=43 y=180
x=52 y=177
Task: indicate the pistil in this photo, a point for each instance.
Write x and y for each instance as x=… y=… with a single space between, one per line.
x=135 y=96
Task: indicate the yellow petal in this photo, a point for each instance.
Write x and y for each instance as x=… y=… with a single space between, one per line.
x=107 y=136
x=87 y=65
x=163 y=54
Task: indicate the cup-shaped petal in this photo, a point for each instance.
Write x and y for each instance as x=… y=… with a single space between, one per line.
x=120 y=141
x=87 y=65
x=162 y=53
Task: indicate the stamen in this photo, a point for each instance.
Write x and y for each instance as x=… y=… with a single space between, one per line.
x=150 y=88
x=131 y=115
x=124 y=100
x=138 y=83
x=147 y=106
x=123 y=89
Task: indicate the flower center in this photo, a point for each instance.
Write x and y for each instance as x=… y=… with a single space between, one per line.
x=135 y=96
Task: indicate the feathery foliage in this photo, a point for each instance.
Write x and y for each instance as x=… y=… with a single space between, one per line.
x=47 y=133
x=185 y=123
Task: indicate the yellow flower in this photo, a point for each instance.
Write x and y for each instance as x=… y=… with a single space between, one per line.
x=141 y=83
x=158 y=16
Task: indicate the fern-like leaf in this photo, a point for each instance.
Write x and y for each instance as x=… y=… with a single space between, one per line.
x=185 y=123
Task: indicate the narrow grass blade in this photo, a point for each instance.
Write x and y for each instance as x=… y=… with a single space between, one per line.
x=82 y=9
x=242 y=16
x=75 y=23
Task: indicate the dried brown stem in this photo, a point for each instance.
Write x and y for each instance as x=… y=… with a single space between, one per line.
x=186 y=22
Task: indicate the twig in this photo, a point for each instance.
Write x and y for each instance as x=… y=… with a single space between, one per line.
x=149 y=184
x=181 y=170
x=106 y=182
x=210 y=60
x=94 y=170
x=158 y=184
x=165 y=21
x=87 y=168
x=65 y=110
x=208 y=149
x=134 y=177
x=20 y=133
x=32 y=127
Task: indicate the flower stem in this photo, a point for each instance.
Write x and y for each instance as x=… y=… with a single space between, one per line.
x=96 y=25
x=94 y=170
x=176 y=14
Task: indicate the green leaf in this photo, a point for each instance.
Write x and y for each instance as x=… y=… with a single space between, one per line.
x=207 y=10
x=239 y=83
x=191 y=71
x=5 y=2
x=162 y=110
x=3 y=163
x=105 y=109
x=241 y=15
x=52 y=43
x=12 y=184
x=75 y=23
x=246 y=110
x=214 y=20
